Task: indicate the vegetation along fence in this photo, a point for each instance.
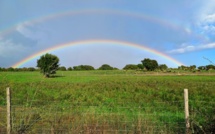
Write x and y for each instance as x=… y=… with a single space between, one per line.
x=108 y=117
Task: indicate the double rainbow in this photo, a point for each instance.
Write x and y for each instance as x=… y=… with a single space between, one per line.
x=56 y=15
x=88 y=42
x=70 y=13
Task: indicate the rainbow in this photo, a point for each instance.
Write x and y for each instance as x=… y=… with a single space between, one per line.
x=44 y=18
x=88 y=42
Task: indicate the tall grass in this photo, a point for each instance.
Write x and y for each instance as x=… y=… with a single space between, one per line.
x=107 y=102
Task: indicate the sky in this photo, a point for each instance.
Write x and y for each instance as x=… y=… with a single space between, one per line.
x=114 y=32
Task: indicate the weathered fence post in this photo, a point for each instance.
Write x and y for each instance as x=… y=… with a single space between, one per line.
x=186 y=106
x=8 y=111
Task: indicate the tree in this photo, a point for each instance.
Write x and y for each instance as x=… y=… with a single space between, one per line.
x=83 y=67
x=140 y=66
x=69 y=68
x=131 y=67
x=48 y=64
x=149 y=64
x=10 y=69
x=192 y=67
x=115 y=68
x=88 y=67
x=62 y=68
x=182 y=67
x=31 y=69
x=163 y=67
x=202 y=67
x=3 y=69
x=210 y=67
x=106 y=67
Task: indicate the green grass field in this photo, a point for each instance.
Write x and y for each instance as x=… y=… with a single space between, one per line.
x=108 y=101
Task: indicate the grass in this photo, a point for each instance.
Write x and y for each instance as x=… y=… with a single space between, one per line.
x=108 y=101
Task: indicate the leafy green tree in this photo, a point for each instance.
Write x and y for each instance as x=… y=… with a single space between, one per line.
x=3 y=69
x=62 y=68
x=210 y=67
x=140 y=66
x=149 y=64
x=185 y=67
x=131 y=67
x=193 y=67
x=202 y=67
x=115 y=68
x=17 y=69
x=77 y=68
x=163 y=67
x=24 y=69
x=31 y=69
x=10 y=69
x=83 y=67
x=69 y=68
x=48 y=64
x=88 y=67
x=106 y=67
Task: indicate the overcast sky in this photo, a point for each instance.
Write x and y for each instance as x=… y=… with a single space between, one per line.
x=181 y=29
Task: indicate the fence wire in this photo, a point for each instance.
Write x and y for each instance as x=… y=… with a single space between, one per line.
x=62 y=117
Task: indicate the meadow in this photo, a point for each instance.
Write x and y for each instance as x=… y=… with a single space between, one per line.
x=108 y=102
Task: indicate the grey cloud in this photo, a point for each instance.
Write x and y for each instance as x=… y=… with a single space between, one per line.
x=8 y=48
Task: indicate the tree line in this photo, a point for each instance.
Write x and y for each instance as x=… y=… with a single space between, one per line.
x=161 y=67
x=49 y=64
x=62 y=68
x=87 y=67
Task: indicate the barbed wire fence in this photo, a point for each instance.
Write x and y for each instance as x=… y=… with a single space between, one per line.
x=65 y=117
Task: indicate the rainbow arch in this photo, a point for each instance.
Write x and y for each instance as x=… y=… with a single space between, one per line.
x=88 y=42
x=47 y=17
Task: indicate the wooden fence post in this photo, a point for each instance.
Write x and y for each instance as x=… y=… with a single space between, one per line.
x=186 y=106
x=8 y=111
